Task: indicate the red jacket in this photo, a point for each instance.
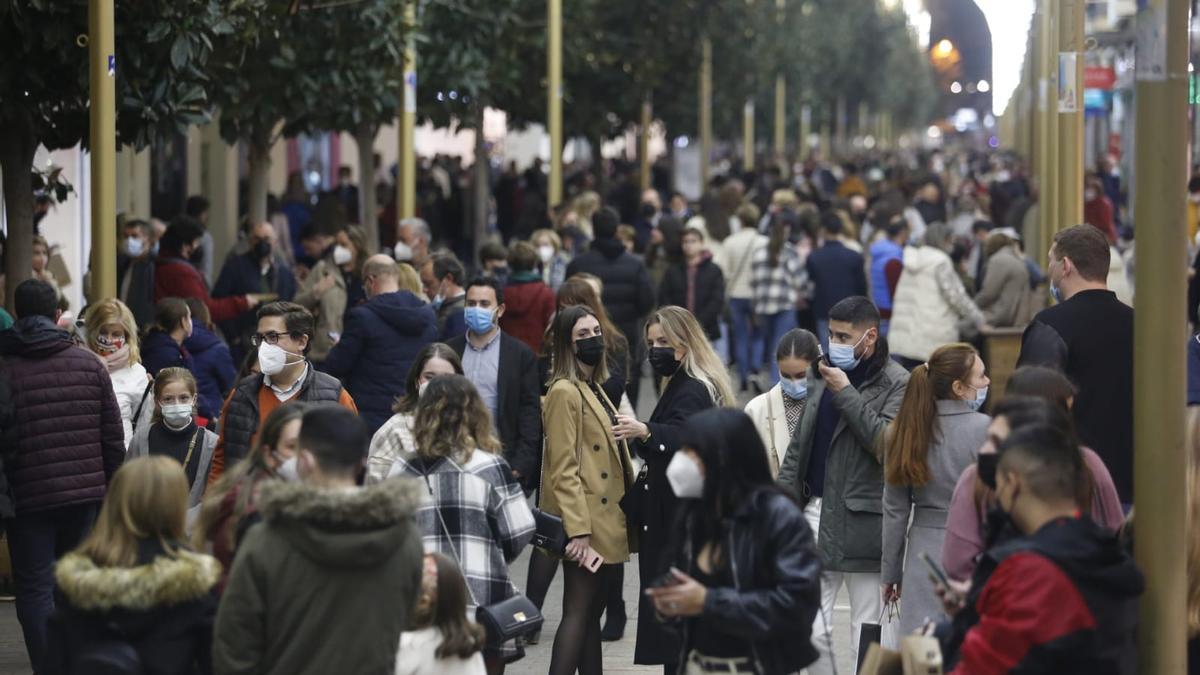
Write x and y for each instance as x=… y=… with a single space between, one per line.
x=176 y=278
x=528 y=308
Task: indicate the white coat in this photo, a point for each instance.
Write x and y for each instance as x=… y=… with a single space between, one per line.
x=767 y=413
x=130 y=385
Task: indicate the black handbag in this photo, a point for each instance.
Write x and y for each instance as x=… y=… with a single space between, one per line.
x=503 y=621
x=549 y=535
x=634 y=502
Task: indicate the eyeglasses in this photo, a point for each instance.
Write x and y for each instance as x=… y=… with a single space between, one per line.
x=270 y=337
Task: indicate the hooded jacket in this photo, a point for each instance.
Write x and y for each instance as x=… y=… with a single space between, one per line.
x=162 y=607
x=380 y=341
x=69 y=438
x=628 y=295
x=213 y=367
x=929 y=303
x=325 y=584
x=1062 y=600
x=528 y=307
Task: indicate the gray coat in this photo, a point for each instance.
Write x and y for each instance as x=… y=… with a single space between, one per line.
x=852 y=506
x=1006 y=299
x=959 y=433
x=140 y=447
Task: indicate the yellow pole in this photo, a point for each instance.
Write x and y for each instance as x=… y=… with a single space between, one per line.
x=826 y=139
x=406 y=171
x=1047 y=129
x=780 y=117
x=1070 y=113
x=644 y=142
x=1159 y=370
x=103 y=148
x=705 y=109
x=554 y=93
x=748 y=135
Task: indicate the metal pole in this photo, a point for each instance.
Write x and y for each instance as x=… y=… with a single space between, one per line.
x=805 y=132
x=748 y=135
x=1159 y=370
x=705 y=109
x=554 y=94
x=406 y=171
x=1070 y=113
x=780 y=117
x=644 y=143
x=103 y=148
x=1047 y=128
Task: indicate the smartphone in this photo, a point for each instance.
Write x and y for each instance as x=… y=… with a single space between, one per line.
x=665 y=581
x=592 y=560
x=936 y=573
x=816 y=370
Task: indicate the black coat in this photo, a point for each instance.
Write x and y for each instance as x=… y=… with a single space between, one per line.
x=710 y=294
x=159 y=613
x=777 y=582
x=682 y=397
x=518 y=406
x=628 y=294
x=1089 y=338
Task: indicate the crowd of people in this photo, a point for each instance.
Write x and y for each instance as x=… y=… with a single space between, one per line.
x=329 y=458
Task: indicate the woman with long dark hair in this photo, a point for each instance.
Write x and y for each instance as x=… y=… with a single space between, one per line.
x=934 y=437
x=745 y=578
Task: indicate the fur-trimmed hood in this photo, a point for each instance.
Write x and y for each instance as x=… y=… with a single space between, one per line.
x=357 y=527
x=164 y=581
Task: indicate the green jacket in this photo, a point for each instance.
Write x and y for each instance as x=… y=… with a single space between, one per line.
x=851 y=533
x=325 y=584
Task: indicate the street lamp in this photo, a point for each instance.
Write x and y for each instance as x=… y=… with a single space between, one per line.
x=955 y=88
x=983 y=86
x=943 y=48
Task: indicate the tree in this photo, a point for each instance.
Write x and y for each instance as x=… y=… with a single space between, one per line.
x=162 y=48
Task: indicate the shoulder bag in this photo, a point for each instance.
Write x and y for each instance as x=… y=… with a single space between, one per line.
x=550 y=535
x=503 y=621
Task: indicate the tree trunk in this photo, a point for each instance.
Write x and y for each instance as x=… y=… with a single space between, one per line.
x=368 y=207
x=482 y=182
x=258 y=175
x=17 y=146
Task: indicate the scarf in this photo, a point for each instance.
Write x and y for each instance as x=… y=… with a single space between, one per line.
x=116 y=360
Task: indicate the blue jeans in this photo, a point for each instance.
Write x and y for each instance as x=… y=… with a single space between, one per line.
x=36 y=541
x=747 y=337
x=776 y=325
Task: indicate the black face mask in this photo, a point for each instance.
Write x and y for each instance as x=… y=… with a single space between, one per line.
x=663 y=361
x=262 y=249
x=590 y=350
x=197 y=256
x=649 y=210
x=985 y=467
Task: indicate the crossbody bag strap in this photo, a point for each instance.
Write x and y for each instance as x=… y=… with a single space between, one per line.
x=446 y=530
x=771 y=423
x=141 y=404
x=741 y=266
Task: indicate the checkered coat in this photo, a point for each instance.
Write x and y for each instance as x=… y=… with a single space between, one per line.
x=488 y=519
x=776 y=289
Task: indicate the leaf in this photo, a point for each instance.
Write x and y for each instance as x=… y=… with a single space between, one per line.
x=180 y=51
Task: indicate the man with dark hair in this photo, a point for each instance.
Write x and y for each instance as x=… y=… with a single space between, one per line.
x=197 y=208
x=628 y=294
x=1088 y=336
x=63 y=445
x=259 y=270
x=328 y=580
x=887 y=262
x=282 y=338
x=176 y=277
x=493 y=258
x=135 y=269
x=504 y=371
x=1060 y=598
x=529 y=302
x=836 y=271
x=834 y=463
x=380 y=339
x=443 y=278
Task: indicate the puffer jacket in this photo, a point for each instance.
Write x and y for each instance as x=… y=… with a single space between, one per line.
x=1005 y=298
x=213 y=367
x=380 y=341
x=628 y=295
x=528 y=308
x=319 y=554
x=162 y=607
x=851 y=536
x=69 y=438
x=930 y=303
x=777 y=583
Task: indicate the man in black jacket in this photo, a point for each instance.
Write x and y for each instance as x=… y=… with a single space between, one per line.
x=628 y=294
x=1088 y=336
x=505 y=372
x=696 y=284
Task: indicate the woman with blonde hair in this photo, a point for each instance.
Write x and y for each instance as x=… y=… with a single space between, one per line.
x=694 y=379
x=933 y=439
x=551 y=256
x=132 y=592
x=112 y=335
x=173 y=430
x=476 y=513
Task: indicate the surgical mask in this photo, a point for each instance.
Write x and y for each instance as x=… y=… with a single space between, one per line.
x=134 y=246
x=985 y=468
x=843 y=356
x=684 y=475
x=479 y=320
x=980 y=397
x=341 y=255
x=794 y=389
x=1089 y=195
x=273 y=358
x=177 y=415
x=545 y=253
x=1056 y=293
x=289 y=470
x=421 y=388
x=663 y=361
x=590 y=350
x=402 y=252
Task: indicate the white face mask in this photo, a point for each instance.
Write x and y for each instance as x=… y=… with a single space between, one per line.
x=289 y=470
x=403 y=252
x=684 y=475
x=134 y=246
x=177 y=415
x=421 y=388
x=341 y=255
x=273 y=358
x=545 y=253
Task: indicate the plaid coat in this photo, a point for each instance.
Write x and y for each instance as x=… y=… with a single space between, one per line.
x=485 y=512
x=776 y=289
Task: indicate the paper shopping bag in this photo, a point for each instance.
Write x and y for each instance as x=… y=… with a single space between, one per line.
x=921 y=655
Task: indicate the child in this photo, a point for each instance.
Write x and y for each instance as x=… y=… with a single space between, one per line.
x=174 y=431
x=443 y=640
